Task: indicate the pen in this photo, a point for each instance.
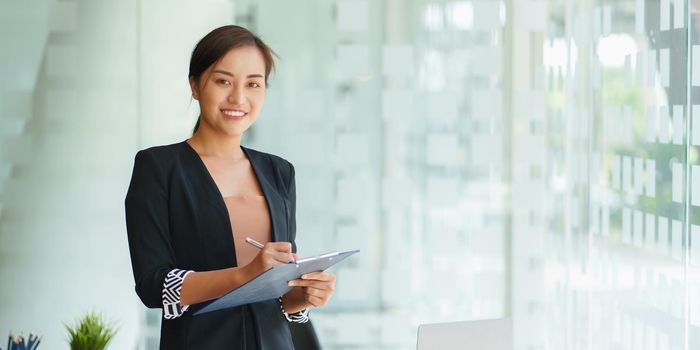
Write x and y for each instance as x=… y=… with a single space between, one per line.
x=254 y=242
x=259 y=245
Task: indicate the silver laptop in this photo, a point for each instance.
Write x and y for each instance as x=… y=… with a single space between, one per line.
x=496 y=334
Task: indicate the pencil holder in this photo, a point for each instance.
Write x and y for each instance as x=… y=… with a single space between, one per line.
x=20 y=343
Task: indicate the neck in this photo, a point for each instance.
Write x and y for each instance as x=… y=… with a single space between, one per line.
x=209 y=143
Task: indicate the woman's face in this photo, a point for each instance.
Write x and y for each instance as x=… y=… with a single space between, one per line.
x=231 y=92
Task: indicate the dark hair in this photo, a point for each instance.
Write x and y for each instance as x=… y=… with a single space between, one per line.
x=220 y=41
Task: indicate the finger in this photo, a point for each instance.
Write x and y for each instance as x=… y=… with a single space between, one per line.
x=323 y=285
x=321 y=293
x=314 y=300
x=276 y=259
x=279 y=246
x=312 y=284
x=319 y=276
x=282 y=258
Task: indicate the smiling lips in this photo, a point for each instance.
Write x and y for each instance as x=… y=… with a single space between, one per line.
x=234 y=113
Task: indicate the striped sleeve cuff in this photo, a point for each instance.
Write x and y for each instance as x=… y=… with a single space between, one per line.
x=297 y=317
x=171 y=294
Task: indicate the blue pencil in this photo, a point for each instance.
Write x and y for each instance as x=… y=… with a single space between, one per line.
x=20 y=342
x=35 y=343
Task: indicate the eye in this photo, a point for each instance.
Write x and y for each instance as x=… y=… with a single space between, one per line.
x=223 y=82
x=254 y=84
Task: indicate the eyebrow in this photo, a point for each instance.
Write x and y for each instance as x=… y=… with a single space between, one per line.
x=231 y=74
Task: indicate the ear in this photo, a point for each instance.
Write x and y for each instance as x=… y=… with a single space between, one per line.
x=194 y=88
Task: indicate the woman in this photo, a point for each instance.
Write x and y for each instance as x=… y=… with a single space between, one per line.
x=190 y=206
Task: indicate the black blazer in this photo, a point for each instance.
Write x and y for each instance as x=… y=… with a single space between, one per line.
x=177 y=218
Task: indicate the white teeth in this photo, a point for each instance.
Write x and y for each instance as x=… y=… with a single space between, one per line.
x=234 y=113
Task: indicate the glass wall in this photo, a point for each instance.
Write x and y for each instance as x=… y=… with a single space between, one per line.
x=529 y=159
x=522 y=158
x=618 y=133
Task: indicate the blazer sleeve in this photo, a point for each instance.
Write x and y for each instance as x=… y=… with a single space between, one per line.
x=292 y=196
x=147 y=225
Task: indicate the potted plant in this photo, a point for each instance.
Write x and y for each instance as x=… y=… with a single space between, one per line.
x=90 y=333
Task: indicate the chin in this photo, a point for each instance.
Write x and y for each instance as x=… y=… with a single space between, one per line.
x=234 y=132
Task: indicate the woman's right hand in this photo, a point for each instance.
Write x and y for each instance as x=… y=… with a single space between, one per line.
x=273 y=253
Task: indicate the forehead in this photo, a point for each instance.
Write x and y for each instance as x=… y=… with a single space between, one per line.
x=242 y=61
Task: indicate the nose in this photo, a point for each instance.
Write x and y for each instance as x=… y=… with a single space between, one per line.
x=236 y=96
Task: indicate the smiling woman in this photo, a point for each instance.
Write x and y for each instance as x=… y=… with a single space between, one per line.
x=191 y=205
x=238 y=63
x=233 y=88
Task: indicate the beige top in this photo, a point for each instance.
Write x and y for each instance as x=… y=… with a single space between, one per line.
x=250 y=217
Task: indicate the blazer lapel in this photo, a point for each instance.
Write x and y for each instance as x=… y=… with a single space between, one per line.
x=262 y=166
x=214 y=226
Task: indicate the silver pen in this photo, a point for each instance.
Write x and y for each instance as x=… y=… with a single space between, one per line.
x=254 y=242
x=259 y=245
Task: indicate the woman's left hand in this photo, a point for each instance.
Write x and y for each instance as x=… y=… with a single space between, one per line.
x=317 y=287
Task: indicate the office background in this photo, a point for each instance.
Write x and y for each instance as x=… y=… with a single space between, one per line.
x=528 y=159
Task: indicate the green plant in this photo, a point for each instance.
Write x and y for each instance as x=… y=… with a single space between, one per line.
x=90 y=333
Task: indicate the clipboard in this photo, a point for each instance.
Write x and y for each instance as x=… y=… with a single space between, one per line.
x=272 y=283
